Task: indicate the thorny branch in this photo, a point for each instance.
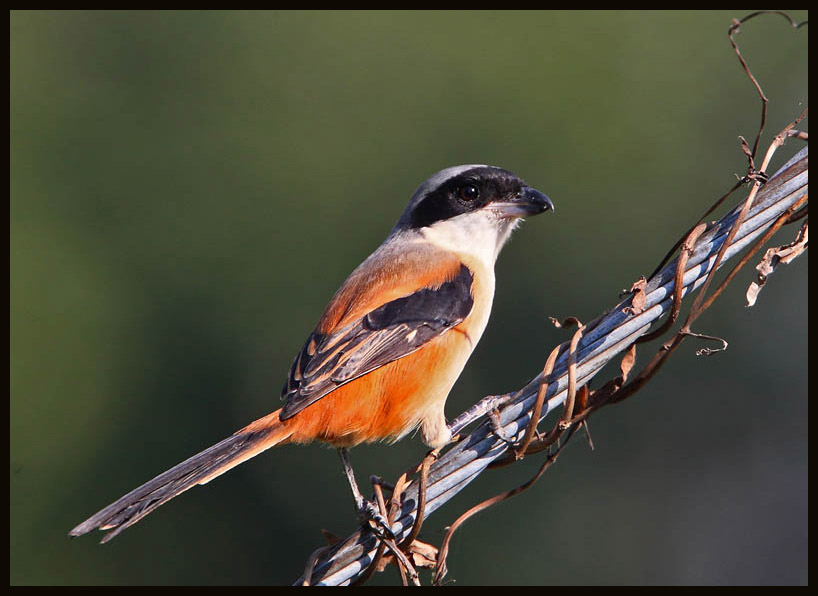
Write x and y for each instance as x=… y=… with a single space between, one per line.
x=771 y=203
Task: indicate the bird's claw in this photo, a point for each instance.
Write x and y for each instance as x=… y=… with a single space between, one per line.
x=368 y=512
x=497 y=428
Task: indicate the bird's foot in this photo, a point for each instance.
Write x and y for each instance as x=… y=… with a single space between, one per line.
x=497 y=428
x=367 y=511
x=479 y=409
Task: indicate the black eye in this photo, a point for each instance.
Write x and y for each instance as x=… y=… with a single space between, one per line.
x=468 y=192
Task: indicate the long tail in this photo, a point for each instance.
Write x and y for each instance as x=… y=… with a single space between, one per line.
x=201 y=468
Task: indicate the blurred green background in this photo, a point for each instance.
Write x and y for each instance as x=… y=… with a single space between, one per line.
x=189 y=189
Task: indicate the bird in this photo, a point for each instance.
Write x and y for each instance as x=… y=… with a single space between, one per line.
x=389 y=345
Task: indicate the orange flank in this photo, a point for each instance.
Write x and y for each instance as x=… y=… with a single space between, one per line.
x=386 y=403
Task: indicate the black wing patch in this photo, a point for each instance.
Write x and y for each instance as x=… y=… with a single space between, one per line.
x=391 y=331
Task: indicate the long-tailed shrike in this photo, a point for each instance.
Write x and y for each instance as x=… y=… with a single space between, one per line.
x=390 y=344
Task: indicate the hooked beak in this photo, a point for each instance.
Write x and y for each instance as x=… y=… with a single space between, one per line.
x=530 y=201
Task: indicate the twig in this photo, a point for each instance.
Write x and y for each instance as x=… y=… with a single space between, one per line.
x=734 y=28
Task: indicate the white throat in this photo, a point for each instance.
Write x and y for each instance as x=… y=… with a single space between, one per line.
x=478 y=234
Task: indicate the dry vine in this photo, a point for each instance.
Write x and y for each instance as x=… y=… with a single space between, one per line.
x=509 y=431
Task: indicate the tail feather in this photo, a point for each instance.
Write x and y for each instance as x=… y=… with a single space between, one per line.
x=199 y=469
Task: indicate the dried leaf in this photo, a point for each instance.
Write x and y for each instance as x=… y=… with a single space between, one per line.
x=423 y=554
x=752 y=293
x=784 y=254
x=330 y=537
x=582 y=398
x=568 y=322
x=639 y=300
x=627 y=362
x=384 y=562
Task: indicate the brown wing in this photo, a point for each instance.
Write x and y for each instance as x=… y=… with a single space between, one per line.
x=391 y=331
